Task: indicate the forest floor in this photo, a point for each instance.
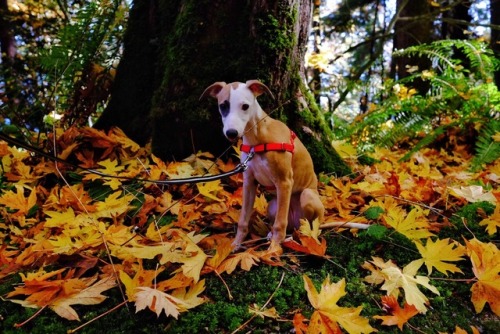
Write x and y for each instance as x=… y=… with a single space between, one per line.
x=85 y=253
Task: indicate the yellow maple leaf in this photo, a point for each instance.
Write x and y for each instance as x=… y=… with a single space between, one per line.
x=173 y=304
x=157 y=301
x=327 y=313
x=210 y=189
x=179 y=170
x=492 y=223
x=191 y=296
x=110 y=167
x=113 y=205
x=16 y=201
x=189 y=254
x=413 y=225
x=395 y=279
x=485 y=259
x=263 y=312
x=141 y=278
x=314 y=232
x=437 y=254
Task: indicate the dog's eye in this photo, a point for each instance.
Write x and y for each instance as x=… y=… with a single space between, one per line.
x=224 y=108
x=245 y=106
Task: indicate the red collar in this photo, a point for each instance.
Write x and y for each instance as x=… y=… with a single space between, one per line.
x=282 y=147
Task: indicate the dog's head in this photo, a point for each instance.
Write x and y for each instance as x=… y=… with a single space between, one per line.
x=237 y=103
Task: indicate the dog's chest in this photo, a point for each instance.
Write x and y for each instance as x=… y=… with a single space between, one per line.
x=261 y=170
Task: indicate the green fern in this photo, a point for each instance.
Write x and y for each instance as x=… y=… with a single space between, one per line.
x=487 y=149
x=457 y=97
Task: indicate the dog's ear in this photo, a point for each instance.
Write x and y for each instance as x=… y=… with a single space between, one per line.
x=213 y=90
x=258 y=88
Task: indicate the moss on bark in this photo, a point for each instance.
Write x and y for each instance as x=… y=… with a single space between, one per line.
x=199 y=42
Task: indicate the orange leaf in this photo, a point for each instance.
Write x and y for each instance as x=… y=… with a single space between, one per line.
x=222 y=250
x=245 y=259
x=307 y=245
x=59 y=294
x=485 y=260
x=299 y=323
x=399 y=316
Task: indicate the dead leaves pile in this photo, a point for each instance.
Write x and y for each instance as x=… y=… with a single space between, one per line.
x=72 y=235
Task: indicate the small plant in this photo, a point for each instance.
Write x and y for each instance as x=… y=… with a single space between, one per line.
x=462 y=100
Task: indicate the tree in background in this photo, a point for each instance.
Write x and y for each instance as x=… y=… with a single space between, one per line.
x=357 y=35
x=174 y=49
x=413 y=27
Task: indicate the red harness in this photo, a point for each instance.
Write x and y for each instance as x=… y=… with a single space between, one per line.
x=281 y=147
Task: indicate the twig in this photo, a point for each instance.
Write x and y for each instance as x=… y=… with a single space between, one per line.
x=225 y=284
x=263 y=306
x=30 y=318
x=98 y=317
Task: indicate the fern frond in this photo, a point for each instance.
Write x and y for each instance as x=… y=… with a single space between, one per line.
x=487 y=149
x=426 y=141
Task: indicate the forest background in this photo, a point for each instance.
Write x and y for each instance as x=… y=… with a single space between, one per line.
x=404 y=94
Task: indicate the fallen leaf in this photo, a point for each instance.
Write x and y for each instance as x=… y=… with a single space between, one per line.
x=299 y=323
x=210 y=189
x=314 y=232
x=245 y=259
x=413 y=225
x=492 y=223
x=437 y=254
x=263 y=313
x=395 y=279
x=399 y=316
x=18 y=202
x=473 y=194
x=157 y=301
x=328 y=314
x=485 y=259
x=60 y=293
x=173 y=304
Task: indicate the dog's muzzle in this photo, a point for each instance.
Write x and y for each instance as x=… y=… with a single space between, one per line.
x=232 y=134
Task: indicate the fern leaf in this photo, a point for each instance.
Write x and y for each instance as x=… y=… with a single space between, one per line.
x=487 y=149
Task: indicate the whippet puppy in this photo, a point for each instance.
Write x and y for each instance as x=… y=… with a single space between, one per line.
x=281 y=162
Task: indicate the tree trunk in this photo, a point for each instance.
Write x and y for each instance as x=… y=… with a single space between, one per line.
x=135 y=79
x=414 y=27
x=189 y=45
x=495 y=34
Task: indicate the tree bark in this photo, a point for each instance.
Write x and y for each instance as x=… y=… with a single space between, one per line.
x=135 y=80
x=195 y=43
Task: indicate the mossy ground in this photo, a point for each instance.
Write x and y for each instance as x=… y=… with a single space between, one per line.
x=222 y=314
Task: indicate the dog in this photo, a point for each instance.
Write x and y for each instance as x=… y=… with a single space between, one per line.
x=281 y=163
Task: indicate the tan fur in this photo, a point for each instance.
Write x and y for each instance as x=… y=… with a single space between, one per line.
x=290 y=174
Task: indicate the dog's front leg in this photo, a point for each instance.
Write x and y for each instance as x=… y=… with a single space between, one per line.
x=249 y=190
x=283 y=195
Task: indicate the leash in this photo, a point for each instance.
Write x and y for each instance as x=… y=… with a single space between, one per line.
x=240 y=168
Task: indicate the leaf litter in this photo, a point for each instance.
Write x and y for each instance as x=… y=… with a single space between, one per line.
x=110 y=227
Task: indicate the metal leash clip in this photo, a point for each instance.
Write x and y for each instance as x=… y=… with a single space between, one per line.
x=244 y=165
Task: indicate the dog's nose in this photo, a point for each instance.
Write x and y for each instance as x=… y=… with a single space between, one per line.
x=232 y=134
